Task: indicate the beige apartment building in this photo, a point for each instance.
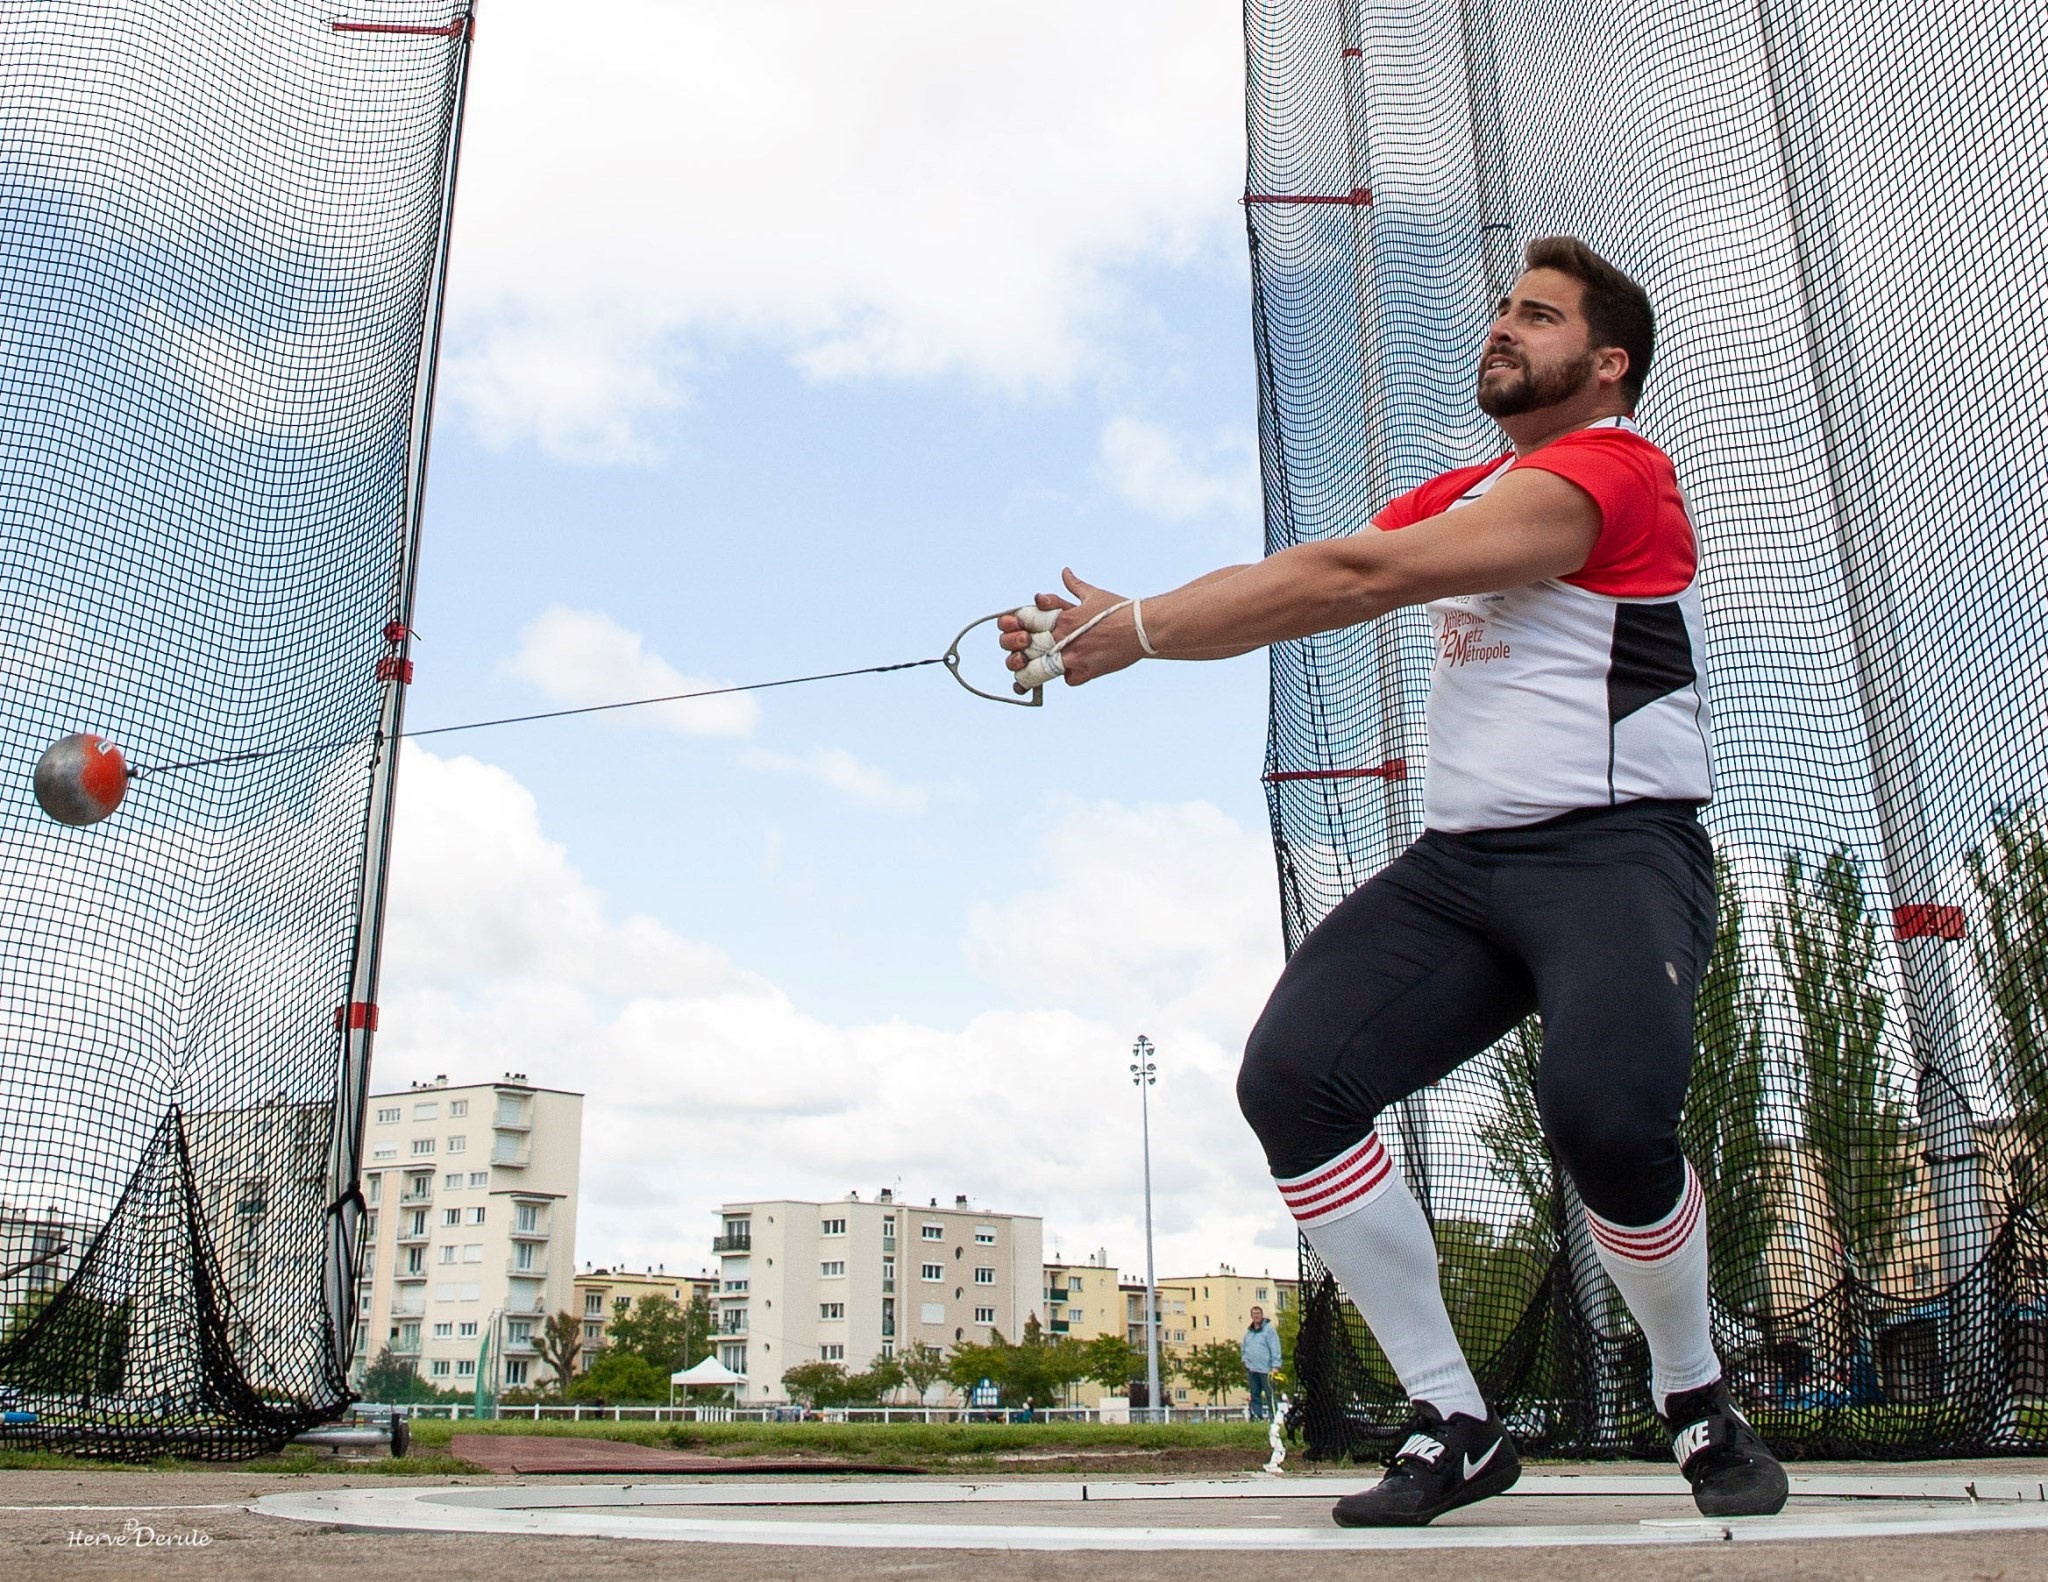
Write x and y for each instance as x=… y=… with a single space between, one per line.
x=603 y=1295
x=1219 y=1307
x=470 y=1229
x=1084 y=1301
x=854 y=1280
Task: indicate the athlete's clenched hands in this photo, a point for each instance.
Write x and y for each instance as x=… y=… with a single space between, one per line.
x=1109 y=646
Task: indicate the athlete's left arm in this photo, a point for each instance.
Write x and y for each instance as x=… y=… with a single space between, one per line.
x=1530 y=526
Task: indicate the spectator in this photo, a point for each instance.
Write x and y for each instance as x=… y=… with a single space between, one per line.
x=1261 y=1351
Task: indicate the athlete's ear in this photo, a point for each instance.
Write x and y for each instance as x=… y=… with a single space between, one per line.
x=1610 y=365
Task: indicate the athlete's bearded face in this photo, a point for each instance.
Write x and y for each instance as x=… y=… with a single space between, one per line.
x=1539 y=351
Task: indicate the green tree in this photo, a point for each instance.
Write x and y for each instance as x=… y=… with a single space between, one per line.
x=872 y=1387
x=69 y=1342
x=392 y=1380
x=816 y=1384
x=1112 y=1362
x=1289 y=1325
x=1855 y=1125
x=560 y=1343
x=1723 y=1128
x=922 y=1366
x=1490 y=1277
x=2010 y=874
x=665 y=1333
x=620 y=1378
x=1215 y=1368
x=1513 y=1135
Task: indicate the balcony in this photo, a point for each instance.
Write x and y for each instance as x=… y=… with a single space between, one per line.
x=531 y=1233
x=537 y=1269
x=512 y=1153
x=731 y=1244
x=412 y=1237
x=521 y=1348
x=411 y=1276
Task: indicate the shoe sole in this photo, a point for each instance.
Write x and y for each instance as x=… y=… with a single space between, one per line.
x=1485 y=1486
x=1767 y=1500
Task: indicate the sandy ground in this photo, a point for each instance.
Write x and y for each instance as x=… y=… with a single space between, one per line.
x=40 y=1512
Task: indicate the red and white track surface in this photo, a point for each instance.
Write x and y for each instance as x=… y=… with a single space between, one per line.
x=1250 y=1514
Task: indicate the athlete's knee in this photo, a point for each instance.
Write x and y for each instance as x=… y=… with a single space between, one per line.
x=1627 y=1167
x=1285 y=1090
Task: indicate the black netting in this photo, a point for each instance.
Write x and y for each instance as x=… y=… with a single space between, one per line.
x=1835 y=207
x=221 y=240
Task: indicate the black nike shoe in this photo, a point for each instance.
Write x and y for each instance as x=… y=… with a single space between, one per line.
x=1730 y=1470
x=1446 y=1462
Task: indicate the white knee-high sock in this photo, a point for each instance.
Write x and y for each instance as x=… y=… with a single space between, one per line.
x=1366 y=1226
x=1661 y=1272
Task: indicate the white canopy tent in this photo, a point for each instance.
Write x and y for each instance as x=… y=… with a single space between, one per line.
x=709 y=1371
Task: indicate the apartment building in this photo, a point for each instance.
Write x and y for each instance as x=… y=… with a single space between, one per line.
x=603 y=1295
x=1219 y=1307
x=1083 y=1301
x=470 y=1230
x=853 y=1280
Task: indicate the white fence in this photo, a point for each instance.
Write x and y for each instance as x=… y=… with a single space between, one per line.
x=456 y=1411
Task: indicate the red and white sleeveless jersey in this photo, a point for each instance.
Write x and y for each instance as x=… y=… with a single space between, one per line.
x=1580 y=691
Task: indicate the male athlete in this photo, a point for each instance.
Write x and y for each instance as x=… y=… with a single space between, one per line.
x=1562 y=869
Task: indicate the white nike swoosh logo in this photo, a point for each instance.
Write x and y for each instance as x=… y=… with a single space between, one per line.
x=1472 y=1466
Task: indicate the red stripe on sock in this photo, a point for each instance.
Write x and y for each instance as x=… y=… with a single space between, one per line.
x=1651 y=1244
x=1342 y=1162
x=1306 y=1212
x=1298 y=1198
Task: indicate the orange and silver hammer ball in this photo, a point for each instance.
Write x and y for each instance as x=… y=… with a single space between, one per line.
x=81 y=779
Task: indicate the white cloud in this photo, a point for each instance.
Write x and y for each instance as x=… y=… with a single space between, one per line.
x=903 y=190
x=863 y=782
x=1176 y=477
x=705 y=1082
x=579 y=657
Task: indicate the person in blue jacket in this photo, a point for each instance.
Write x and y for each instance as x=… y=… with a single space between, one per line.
x=1260 y=1349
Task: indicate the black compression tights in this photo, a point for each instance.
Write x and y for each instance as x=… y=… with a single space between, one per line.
x=1601 y=922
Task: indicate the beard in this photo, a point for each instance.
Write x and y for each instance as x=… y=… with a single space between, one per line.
x=1530 y=387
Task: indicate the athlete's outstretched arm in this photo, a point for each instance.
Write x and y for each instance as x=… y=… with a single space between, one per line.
x=1530 y=526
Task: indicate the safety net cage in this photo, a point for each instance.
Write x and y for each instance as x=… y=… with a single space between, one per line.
x=1837 y=210
x=222 y=240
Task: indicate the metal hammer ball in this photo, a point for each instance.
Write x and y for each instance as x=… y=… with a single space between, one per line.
x=81 y=779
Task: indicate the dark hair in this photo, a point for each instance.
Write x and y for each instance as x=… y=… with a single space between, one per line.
x=1617 y=309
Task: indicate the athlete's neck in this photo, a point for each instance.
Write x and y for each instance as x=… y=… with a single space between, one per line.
x=1528 y=431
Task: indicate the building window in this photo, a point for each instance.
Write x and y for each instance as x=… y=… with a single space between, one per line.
x=416 y=1222
x=472 y=1292
x=1180 y=1395
x=832 y=1269
x=832 y=1353
x=1076 y=1316
x=425 y=1112
x=479 y=1178
x=422 y=1145
x=447 y=1254
x=415 y=1260
x=474 y=1253
x=932 y=1232
x=451 y=1216
x=932 y=1271
x=525 y=1216
x=438 y=1367
x=466 y=1368
x=831 y=1310
x=452 y=1181
x=515 y=1371
x=385 y=1151
x=519 y=1331
x=376 y=1187
x=444 y=1331
x=476 y=1215
x=388 y=1117
x=457 y=1108
x=593 y=1334
x=984 y=1315
x=468 y=1329
x=832 y=1227
x=984 y=1275
x=1259 y=1295
x=593 y=1304
x=1074 y=1282
x=458 y=1145
x=931 y=1313
x=733 y=1357
x=985 y=1234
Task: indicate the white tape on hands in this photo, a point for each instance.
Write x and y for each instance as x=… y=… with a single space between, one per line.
x=1046 y=663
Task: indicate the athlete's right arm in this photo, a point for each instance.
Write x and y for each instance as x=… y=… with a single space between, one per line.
x=1530 y=526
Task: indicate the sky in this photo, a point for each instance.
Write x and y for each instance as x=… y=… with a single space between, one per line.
x=792 y=339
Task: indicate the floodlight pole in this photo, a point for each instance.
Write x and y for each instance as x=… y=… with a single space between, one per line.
x=1143 y=1076
x=1925 y=932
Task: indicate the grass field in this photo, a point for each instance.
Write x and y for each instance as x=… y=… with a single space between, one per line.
x=964 y=1447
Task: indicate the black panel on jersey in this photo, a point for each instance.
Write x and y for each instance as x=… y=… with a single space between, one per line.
x=1651 y=658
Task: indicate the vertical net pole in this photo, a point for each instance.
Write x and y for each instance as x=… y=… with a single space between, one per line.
x=357 y=1021
x=1905 y=826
